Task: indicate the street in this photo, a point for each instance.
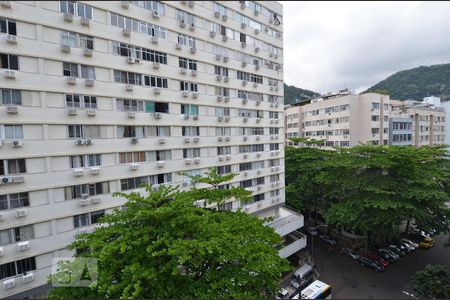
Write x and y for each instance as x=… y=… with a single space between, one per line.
x=349 y=280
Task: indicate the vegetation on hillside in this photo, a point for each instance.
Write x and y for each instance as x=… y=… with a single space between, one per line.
x=291 y=93
x=417 y=83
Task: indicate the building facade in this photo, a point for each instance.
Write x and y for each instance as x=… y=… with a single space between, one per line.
x=346 y=119
x=103 y=96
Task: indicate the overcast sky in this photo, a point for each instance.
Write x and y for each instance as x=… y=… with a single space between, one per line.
x=329 y=46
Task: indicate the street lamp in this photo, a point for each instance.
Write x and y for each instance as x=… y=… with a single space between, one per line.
x=313 y=229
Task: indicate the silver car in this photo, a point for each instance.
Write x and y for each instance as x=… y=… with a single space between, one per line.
x=350 y=253
x=411 y=243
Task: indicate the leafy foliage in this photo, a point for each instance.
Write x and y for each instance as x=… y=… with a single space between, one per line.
x=162 y=246
x=291 y=93
x=418 y=83
x=433 y=282
x=372 y=189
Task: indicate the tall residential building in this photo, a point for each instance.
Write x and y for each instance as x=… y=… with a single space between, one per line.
x=346 y=119
x=103 y=96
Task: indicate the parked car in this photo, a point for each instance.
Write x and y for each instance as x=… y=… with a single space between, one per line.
x=313 y=231
x=351 y=253
x=328 y=239
x=378 y=259
x=301 y=276
x=282 y=294
x=415 y=245
x=367 y=262
x=391 y=255
x=427 y=242
x=402 y=247
x=408 y=246
x=396 y=250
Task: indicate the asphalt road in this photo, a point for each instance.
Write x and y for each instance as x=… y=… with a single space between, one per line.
x=349 y=280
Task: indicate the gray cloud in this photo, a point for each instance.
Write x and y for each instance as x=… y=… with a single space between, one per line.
x=333 y=45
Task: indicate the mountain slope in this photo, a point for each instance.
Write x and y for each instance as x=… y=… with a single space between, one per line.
x=291 y=93
x=417 y=83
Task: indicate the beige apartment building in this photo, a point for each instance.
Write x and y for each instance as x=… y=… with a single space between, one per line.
x=346 y=119
x=102 y=96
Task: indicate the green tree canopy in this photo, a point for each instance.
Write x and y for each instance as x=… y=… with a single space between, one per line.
x=432 y=283
x=163 y=246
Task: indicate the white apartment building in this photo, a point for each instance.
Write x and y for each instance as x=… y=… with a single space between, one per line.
x=103 y=96
x=346 y=119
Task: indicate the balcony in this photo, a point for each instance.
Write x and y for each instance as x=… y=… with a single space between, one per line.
x=286 y=222
x=293 y=243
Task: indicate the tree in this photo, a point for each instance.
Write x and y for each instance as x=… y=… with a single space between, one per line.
x=432 y=283
x=373 y=189
x=163 y=246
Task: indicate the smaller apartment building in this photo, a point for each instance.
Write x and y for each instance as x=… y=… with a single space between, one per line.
x=346 y=119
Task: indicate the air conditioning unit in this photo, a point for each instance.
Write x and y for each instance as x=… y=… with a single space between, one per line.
x=271 y=54
x=183 y=71
x=257 y=67
x=256 y=12
x=184 y=93
x=195 y=95
x=88 y=142
x=79 y=142
x=188 y=161
x=255 y=85
x=243 y=25
x=157 y=115
x=221 y=157
x=9 y=283
x=11 y=39
x=243 y=44
x=134 y=166
x=244 y=101
x=155 y=187
x=162 y=140
x=78 y=172
x=87 y=52
x=245 y=138
x=258 y=137
x=228 y=157
x=91 y=112
x=224 y=38
x=130 y=60
x=219 y=98
x=196 y=140
x=28 y=277
x=83 y=231
x=126 y=31
x=71 y=80
x=129 y=87
x=12 y=109
x=194 y=72
x=157 y=90
x=2 y=218
x=225 y=58
x=84 y=202
x=245 y=155
x=195 y=117
x=125 y=4
x=220 y=118
x=18 y=179
x=68 y=17
x=257 y=31
x=155 y=40
x=197 y=160
x=187 y=140
x=20 y=213
x=22 y=246
x=9 y=74
x=156 y=65
x=182 y=23
x=186 y=117
x=134 y=140
x=227 y=139
x=226 y=78
x=84 y=196
x=191 y=3
x=192 y=27
x=258 y=154
x=220 y=139
x=156 y=14
x=16 y=144
x=244 y=64
x=72 y=112
x=161 y=164
x=84 y=21
x=226 y=99
x=95 y=170
x=178 y=46
x=218 y=56
x=186 y=183
x=244 y=83
x=245 y=174
x=245 y=119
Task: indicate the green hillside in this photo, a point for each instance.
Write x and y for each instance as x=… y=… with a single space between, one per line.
x=417 y=83
x=291 y=93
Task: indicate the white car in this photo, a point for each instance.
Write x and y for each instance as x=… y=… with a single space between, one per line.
x=328 y=239
x=415 y=245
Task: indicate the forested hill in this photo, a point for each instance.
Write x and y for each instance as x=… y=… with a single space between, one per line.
x=291 y=93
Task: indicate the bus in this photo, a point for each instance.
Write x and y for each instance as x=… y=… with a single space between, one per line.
x=317 y=290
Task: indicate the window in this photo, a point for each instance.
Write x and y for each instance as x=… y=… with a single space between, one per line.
x=137 y=182
x=188 y=86
x=246 y=183
x=84 y=11
x=87 y=72
x=159 y=131
x=69 y=38
x=189 y=109
x=67 y=7
x=187 y=63
x=84 y=131
x=223 y=170
x=86 y=42
x=127 y=77
x=225 y=150
x=12 y=201
x=10 y=97
x=90 y=102
x=218 y=70
x=77 y=161
x=8 y=26
x=375 y=130
x=13 y=132
x=154 y=81
x=130 y=131
x=375 y=118
x=70 y=69
x=220 y=9
x=185 y=17
x=81 y=220
x=159 y=155
x=139 y=26
x=15 y=268
x=223 y=131
x=132 y=157
x=9 y=61
x=186 y=40
x=77 y=191
x=222 y=111
x=274 y=147
x=76 y=8
x=375 y=106
x=258 y=197
x=12 y=166
x=191 y=152
x=161 y=107
x=73 y=101
x=190 y=131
